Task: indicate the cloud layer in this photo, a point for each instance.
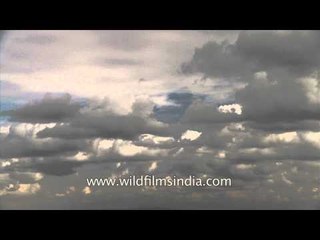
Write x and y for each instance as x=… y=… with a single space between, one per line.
x=243 y=105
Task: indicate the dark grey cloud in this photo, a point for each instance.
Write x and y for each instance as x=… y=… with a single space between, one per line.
x=48 y=110
x=56 y=168
x=212 y=139
x=113 y=156
x=283 y=101
x=49 y=165
x=95 y=120
x=63 y=164
x=301 y=151
x=208 y=113
x=297 y=52
x=15 y=146
x=105 y=125
x=278 y=107
x=285 y=126
x=216 y=59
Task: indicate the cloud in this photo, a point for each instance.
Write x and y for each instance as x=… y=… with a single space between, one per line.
x=208 y=113
x=26 y=177
x=216 y=59
x=56 y=167
x=300 y=152
x=15 y=146
x=284 y=126
x=190 y=135
x=245 y=106
x=178 y=104
x=284 y=101
x=296 y=52
x=48 y=110
x=281 y=106
x=105 y=125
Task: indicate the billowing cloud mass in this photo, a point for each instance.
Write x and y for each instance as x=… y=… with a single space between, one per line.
x=243 y=105
x=49 y=110
x=295 y=52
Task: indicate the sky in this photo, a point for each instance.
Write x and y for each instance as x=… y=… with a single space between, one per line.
x=83 y=104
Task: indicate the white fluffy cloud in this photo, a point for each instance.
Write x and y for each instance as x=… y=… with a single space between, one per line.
x=190 y=135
